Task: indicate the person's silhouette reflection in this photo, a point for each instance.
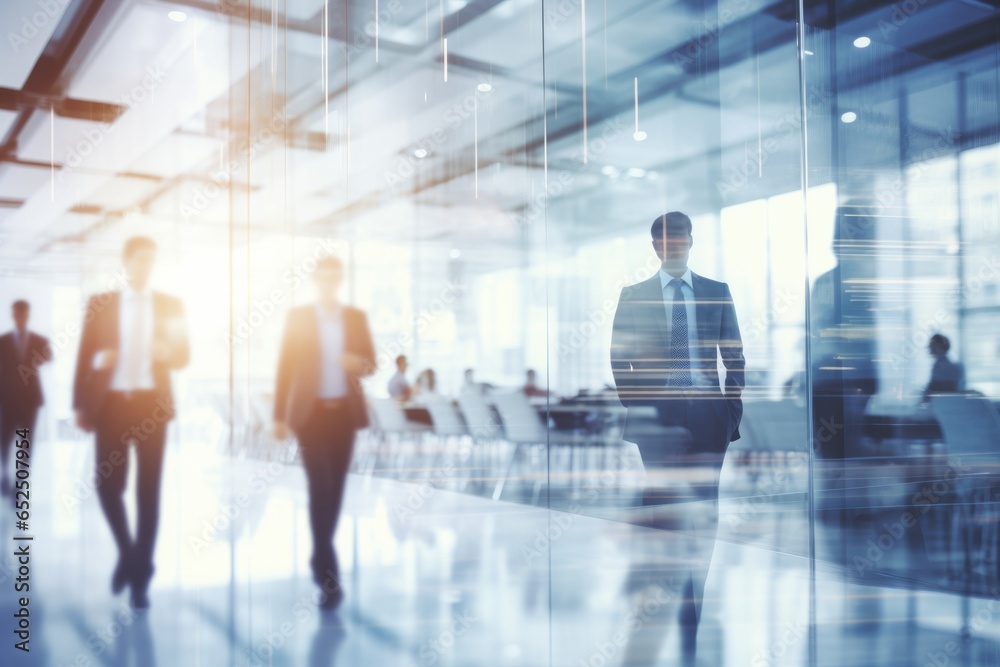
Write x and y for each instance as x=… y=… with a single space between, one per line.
x=326 y=641
x=129 y=640
x=843 y=349
x=668 y=334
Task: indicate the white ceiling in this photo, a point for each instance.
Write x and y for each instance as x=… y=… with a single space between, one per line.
x=184 y=85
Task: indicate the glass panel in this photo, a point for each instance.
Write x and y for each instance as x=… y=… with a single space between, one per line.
x=672 y=501
x=902 y=365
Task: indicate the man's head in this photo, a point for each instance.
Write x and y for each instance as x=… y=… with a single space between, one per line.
x=531 y=377
x=328 y=276
x=401 y=363
x=138 y=256
x=672 y=239
x=469 y=376
x=939 y=345
x=21 y=310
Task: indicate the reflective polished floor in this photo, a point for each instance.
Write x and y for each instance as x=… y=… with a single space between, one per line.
x=436 y=575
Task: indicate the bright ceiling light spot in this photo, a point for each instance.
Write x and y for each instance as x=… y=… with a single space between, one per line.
x=455 y=253
x=862 y=42
x=808 y=52
x=639 y=135
x=608 y=170
x=849 y=117
x=484 y=87
x=420 y=153
x=177 y=15
x=635 y=172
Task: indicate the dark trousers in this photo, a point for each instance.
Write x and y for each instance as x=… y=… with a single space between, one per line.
x=326 y=443
x=694 y=517
x=126 y=419
x=12 y=418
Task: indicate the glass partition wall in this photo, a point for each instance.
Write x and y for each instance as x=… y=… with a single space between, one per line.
x=682 y=319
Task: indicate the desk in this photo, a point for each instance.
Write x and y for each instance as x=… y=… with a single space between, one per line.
x=593 y=417
x=916 y=425
x=417 y=413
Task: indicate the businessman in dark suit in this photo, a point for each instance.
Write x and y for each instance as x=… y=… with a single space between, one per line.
x=668 y=334
x=131 y=340
x=22 y=352
x=327 y=348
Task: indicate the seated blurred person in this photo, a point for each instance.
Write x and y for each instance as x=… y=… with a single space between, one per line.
x=426 y=384
x=947 y=376
x=470 y=386
x=531 y=388
x=399 y=387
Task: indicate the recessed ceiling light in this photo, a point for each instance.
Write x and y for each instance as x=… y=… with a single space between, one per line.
x=455 y=252
x=862 y=42
x=808 y=52
x=484 y=87
x=177 y=15
x=849 y=117
x=420 y=153
x=635 y=172
x=608 y=170
x=639 y=135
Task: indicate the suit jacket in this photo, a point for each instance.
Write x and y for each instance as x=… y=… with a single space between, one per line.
x=19 y=382
x=297 y=384
x=640 y=347
x=100 y=332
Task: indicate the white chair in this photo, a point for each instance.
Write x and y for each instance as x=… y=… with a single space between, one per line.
x=773 y=435
x=480 y=422
x=447 y=421
x=777 y=427
x=970 y=426
x=391 y=418
x=522 y=425
x=395 y=429
x=971 y=429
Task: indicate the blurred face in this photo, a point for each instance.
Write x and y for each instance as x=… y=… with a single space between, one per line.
x=674 y=246
x=402 y=365
x=328 y=280
x=936 y=349
x=21 y=318
x=139 y=266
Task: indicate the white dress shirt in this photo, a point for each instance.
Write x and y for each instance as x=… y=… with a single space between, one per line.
x=332 y=379
x=398 y=386
x=128 y=301
x=698 y=376
x=21 y=342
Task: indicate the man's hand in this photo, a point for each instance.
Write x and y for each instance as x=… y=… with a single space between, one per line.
x=83 y=421
x=353 y=364
x=107 y=359
x=161 y=351
x=280 y=431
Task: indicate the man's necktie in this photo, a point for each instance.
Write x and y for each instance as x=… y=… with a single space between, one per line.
x=679 y=363
x=133 y=365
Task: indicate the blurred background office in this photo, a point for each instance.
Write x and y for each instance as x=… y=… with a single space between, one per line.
x=487 y=171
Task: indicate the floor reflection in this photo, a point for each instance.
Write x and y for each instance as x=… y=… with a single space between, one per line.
x=442 y=574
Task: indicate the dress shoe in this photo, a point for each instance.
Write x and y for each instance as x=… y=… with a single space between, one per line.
x=121 y=575
x=332 y=600
x=140 y=598
x=321 y=566
x=141 y=576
